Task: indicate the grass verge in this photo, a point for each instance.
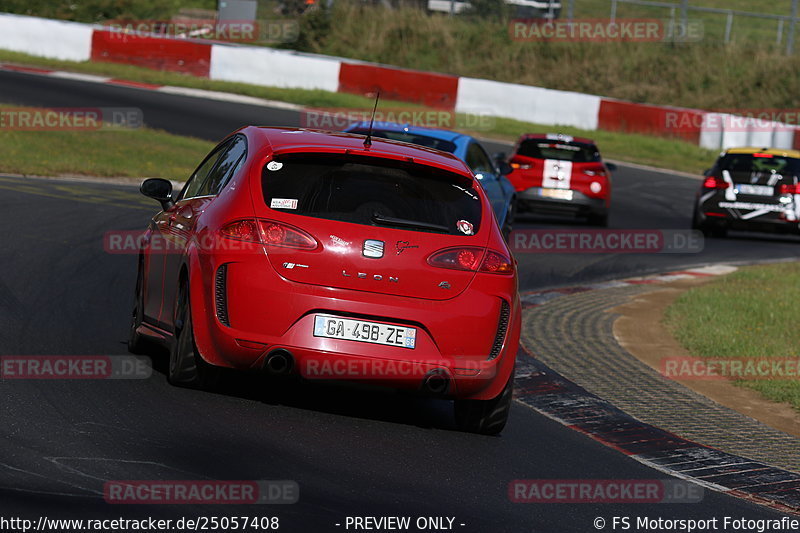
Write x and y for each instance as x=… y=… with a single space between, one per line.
x=134 y=153
x=748 y=314
x=642 y=149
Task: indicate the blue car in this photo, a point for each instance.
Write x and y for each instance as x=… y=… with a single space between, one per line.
x=491 y=174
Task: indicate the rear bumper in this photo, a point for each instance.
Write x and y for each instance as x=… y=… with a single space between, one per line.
x=773 y=218
x=267 y=312
x=531 y=200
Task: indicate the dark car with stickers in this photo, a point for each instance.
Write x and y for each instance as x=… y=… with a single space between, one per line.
x=752 y=189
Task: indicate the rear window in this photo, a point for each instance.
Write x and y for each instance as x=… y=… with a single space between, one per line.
x=372 y=192
x=564 y=151
x=421 y=140
x=759 y=164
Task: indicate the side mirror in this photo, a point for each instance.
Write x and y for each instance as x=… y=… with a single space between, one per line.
x=504 y=168
x=158 y=189
x=611 y=167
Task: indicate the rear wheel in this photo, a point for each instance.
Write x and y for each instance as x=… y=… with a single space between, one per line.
x=186 y=367
x=487 y=417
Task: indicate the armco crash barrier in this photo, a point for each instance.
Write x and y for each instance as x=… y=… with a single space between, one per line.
x=283 y=68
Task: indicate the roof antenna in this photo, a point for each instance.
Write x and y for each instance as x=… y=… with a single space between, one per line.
x=368 y=140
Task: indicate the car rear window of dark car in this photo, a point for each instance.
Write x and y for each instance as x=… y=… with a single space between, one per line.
x=759 y=164
x=372 y=192
x=564 y=151
x=421 y=140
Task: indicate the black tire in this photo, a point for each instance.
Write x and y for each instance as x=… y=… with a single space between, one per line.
x=186 y=366
x=487 y=417
x=598 y=219
x=708 y=230
x=136 y=343
x=719 y=232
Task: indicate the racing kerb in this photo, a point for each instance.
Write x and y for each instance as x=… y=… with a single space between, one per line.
x=287 y=69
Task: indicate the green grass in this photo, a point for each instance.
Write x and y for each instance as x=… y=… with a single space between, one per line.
x=134 y=153
x=750 y=313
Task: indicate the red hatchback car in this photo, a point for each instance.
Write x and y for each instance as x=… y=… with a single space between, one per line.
x=558 y=174
x=333 y=256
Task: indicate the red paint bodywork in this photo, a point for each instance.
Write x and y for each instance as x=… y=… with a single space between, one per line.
x=272 y=307
x=583 y=174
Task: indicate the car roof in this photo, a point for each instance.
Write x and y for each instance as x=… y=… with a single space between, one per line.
x=310 y=140
x=436 y=133
x=783 y=152
x=555 y=137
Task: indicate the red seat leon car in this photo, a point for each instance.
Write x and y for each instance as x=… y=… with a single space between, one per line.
x=333 y=256
x=558 y=174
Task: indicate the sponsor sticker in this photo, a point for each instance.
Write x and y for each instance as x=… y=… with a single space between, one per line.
x=274 y=165
x=283 y=203
x=465 y=227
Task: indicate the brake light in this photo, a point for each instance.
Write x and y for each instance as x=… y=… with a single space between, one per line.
x=766 y=156
x=789 y=189
x=241 y=230
x=713 y=182
x=268 y=232
x=472 y=259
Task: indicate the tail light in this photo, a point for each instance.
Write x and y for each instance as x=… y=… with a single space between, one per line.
x=268 y=232
x=521 y=166
x=789 y=189
x=472 y=259
x=714 y=182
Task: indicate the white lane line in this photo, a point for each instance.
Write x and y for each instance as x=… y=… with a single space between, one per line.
x=78 y=76
x=228 y=97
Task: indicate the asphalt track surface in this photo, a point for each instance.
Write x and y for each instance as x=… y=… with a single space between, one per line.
x=353 y=451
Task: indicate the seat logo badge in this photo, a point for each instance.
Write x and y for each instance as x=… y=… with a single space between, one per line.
x=444 y=285
x=403 y=246
x=372 y=248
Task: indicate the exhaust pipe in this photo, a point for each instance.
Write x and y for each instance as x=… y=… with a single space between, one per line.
x=279 y=362
x=436 y=382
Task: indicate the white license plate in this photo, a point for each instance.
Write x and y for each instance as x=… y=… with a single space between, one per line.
x=759 y=190
x=561 y=194
x=364 y=331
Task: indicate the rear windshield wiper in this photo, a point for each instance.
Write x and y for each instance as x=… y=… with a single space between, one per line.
x=404 y=223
